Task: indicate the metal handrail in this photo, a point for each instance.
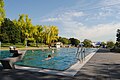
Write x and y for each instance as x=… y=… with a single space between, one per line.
x=80 y=55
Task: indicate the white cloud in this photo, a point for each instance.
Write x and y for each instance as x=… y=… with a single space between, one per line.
x=68 y=15
x=51 y=19
x=105 y=12
x=109 y=2
x=105 y=9
x=74 y=14
x=98 y=32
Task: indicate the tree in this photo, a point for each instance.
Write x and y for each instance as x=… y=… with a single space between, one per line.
x=74 y=41
x=46 y=34
x=53 y=33
x=64 y=40
x=117 y=44
x=110 y=44
x=118 y=38
x=50 y=34
x=21 y=25
x=2 y=11
x=27 y=29
x=10 y=33
x=118 y=35
x=87 y=43
x=38 y=29
x=103 y=44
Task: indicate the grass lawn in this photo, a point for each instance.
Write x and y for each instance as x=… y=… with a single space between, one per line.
x=20 y=46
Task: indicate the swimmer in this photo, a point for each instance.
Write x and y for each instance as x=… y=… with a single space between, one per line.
x=49 y=57
x=52 y=51
x=32 y=50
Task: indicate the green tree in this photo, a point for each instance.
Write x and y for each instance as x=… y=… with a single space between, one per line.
x=50 y=34
x=87 y=43
x=53 y=33
x=64 y=40
x=118 y=35
x=2 y=11
x=10 y=33
x=46 y=34
x=103 y=44
x=74 y=41
x=21 y=24
x=117 y=44
x=110 y=44
x=38 y=36
x=27 y=29
x=118 y=38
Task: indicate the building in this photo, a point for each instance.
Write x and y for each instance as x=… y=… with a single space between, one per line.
x=57 y=44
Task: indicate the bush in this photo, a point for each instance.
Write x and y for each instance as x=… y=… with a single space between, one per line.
x=115 y=49
x=6 y=44
x=18 y=45
x=118 y=50
x=32 y=44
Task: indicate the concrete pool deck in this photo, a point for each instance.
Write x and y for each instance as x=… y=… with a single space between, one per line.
x=104 y=65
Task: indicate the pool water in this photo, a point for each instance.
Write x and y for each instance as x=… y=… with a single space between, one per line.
x=5 y=54
x=61 y=59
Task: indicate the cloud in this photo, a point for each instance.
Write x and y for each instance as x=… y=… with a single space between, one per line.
x=68 y=15
x=99 y=32
x=74 y=14
x=109 y=2
x=51 y=19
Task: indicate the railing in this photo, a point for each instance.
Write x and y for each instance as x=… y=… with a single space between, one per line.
x=80 y=55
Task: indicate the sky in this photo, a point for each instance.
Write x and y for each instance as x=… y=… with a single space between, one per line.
x=97 y=20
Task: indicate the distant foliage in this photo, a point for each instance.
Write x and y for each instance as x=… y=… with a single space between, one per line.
x=67 y=41
x=103 y=44
x=87 y=43
x=2 y=11
x=50 y=34
x=118 y=35
x=9 y=32
x=118 y=38
x=74 y=41
x=64 y=40
x=110 y=44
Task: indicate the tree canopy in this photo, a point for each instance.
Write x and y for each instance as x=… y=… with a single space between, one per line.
x=9 y=32
x=118 y=38
x=2 y=11
x=118 y=35
x=74 y=41
x=64 y=40
x=110 y=44
x=87 y=43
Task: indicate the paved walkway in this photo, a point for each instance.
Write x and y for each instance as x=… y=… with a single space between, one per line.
x=104 y=65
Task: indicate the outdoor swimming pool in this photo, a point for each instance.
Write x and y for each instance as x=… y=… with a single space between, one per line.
x=62 y=59
x=5 y=54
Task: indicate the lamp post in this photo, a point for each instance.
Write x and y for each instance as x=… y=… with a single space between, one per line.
x=26 y=42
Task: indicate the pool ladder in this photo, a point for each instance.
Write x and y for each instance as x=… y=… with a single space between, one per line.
x=80 y=55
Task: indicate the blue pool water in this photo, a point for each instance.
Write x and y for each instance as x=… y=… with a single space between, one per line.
x=5 y=54
x=62 y=59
